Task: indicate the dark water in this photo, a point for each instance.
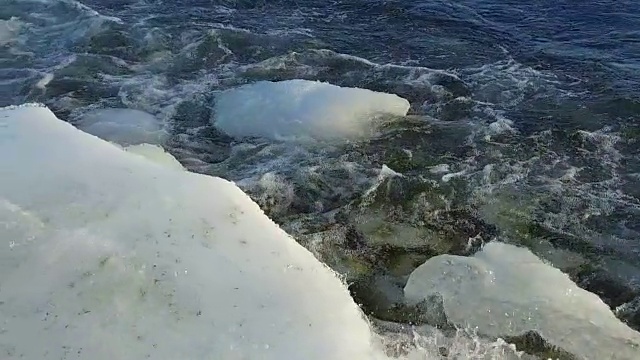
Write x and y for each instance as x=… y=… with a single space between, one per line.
x=590 y=50
x=536 y=105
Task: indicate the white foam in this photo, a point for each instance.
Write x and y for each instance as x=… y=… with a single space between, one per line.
x=9 y=30
x=506 y=290
x=449 y=176
x=439 y=169
x=106 y=255
x=302 y=108
x=386 y=172
x=123 y=126
x=46 y=79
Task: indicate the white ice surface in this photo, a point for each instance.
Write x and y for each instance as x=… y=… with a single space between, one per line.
x=156 y=154
x=507 y=290
x=302 y=109
x=107 y=255
x=123 y=126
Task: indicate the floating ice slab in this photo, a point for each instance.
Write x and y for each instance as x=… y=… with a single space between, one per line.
x=506 y=290
x=105 y=254
x=122 y=126
x=302 y=109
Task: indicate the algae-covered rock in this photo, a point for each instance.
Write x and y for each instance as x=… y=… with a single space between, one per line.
x=532 y=343
x=413 y=145
x=340 y=251
x=111 y=39
x=381 y=298
x=206 y=53
x=411 y=212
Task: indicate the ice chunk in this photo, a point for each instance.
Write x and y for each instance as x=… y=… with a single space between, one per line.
x=506 y=290
x=106 y=255
x=156 y=154
x=123 y=126
x=301 y=109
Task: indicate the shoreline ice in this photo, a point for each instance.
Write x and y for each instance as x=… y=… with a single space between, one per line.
x=117 y=257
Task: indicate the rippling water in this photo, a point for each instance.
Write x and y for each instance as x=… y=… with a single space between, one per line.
x=525 y=115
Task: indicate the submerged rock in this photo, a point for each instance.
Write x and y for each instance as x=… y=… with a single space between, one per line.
x=411 y=212
x=114 y=42
x=610 y=289
x=382 y=298
x=413 y=145
x=630 y=313
x=532 y=343
x=381 y=237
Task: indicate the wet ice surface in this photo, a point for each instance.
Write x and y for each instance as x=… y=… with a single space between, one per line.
x=113 y=255
x=302 y=109
x=122 y=126
x=504 y=290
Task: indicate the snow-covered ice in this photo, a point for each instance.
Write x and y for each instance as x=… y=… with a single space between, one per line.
x=123 y=126
x=156 y=154
x=506 y=290
x=295 y=109
x=105 y=254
